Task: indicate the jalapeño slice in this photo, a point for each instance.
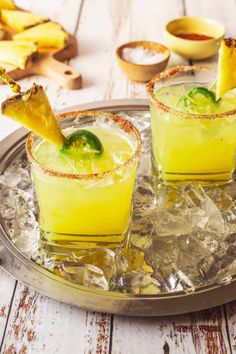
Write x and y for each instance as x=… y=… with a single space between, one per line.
x=84 y=142
x=189 y=98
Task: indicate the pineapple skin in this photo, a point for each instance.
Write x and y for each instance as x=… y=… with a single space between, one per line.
x=226 y=72
x=46 y=35
x=32 y=110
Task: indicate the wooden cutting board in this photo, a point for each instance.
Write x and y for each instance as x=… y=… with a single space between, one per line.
x=49 y=63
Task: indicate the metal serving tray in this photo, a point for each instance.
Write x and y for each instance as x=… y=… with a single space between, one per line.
x=41 y=280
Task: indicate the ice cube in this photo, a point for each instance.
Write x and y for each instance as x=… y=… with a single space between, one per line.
x=135 y=283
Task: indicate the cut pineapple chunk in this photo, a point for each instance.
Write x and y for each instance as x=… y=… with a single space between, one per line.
x=226 y=71
x=17 y=53
x=7 y=4
x=32 y=109
x=20 y=20
x=46 y=35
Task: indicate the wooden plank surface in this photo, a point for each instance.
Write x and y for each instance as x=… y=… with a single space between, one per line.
x=202 y=332
x=230 y=313
x=32 y=323
x=7 y=291
x=38 y=324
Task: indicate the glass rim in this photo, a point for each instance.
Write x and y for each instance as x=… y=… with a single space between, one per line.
x=124 y=125
x=172 y=72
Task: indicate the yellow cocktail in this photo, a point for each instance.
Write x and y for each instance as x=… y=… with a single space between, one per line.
x=193 y=136
x=86 y=199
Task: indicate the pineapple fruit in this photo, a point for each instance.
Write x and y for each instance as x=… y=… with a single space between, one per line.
x=32 y=110
x=226 y=73
x=46 y=35
x=17 y=53
x=20 y=20
x=7 y=5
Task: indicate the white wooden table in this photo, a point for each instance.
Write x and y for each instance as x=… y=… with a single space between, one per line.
x=32 y=323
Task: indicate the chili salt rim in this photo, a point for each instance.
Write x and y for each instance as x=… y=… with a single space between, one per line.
x=172 y=72
x=124 y=124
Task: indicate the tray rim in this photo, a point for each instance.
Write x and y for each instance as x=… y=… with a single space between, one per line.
x=11 y=259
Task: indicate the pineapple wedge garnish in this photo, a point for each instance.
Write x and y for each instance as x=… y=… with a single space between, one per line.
x=20 y=20
x=17 y=53
x=32 y=110
x=46 y=35
x=7 y=4
x=226 y=71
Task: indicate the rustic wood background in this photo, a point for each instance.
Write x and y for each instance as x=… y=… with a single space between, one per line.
x=32 y=323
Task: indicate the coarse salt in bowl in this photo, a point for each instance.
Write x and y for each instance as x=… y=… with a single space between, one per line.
x=142 y=55
x=141 y=60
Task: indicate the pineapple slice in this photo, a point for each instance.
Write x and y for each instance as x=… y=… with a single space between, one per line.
x=32 y=109
x=7 y=4
x=46 y=35
x=17 y=53
x=226 y=71
x=21 y=20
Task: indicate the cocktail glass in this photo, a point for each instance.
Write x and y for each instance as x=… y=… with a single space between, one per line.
x=189 y=146
x=85 y=210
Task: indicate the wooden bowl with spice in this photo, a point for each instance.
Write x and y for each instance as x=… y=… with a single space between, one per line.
x=194 y=37
x=141 y=60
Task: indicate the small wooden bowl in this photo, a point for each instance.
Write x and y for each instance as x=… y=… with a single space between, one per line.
x=194 y=49
x=142 y=72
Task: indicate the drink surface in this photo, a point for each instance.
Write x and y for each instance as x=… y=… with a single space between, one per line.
x=117 y=150
x=193 y=148
x=172 y=96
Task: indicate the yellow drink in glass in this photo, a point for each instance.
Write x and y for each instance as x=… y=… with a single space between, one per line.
x=195 y=142
x=86 y=200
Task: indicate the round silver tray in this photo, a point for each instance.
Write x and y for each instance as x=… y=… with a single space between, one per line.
x=39 y=279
